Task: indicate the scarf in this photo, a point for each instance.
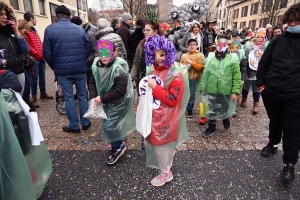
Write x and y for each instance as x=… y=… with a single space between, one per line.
x=198 y=38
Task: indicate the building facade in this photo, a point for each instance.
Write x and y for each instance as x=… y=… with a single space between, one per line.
x=44 y=10
x=164 y=7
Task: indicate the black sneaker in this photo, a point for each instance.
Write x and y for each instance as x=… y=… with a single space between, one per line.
x=69 y=130
x=268 y=150
x=288 y=173
x=86 y=127
x=226 y=123
x=211 y=129
x=190 y=113
x=115 y=156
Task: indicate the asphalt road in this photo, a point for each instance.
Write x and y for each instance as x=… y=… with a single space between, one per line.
x=83 y=175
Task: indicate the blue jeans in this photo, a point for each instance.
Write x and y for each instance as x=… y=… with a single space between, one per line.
x=39 y=73
x=192 y=84
x=66 y=83
x=28 y=81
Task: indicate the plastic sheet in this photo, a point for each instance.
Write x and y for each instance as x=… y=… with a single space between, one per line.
x=120 y=120
x=95 y=111
x=220 y=79
x=38 y=161
x=15 y=179
x=169 y=127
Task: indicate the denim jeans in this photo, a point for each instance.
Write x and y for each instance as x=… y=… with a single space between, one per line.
x=116 y=144
x=66 y=83
x=192 y=84
x=39 y=73
x=28 y=81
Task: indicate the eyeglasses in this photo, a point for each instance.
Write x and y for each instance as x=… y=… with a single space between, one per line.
x=146 y=30
x=192 y=45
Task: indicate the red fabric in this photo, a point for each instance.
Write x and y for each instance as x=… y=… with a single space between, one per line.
x=2 y=71
x=35 y=45
x=165 y=119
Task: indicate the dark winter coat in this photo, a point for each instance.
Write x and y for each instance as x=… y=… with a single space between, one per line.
x=124 y=33
x=10 y=81
x=66 y=48
x=135 y=39
x=279 y=67
x=15 y=50
x=91 y=31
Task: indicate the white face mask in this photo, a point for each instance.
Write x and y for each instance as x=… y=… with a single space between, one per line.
x=222 y=45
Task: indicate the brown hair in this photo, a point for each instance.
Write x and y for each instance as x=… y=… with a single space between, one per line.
x=292 y=14
x=192 y=27
x=23 y=24
x=9 y=11
x=155 y=27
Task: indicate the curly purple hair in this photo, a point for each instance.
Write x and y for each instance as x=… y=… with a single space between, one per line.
x=156 y=43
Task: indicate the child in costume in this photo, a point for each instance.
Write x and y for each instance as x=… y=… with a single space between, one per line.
x=168 y=121
x=196 y=61
x=111 y=85
x=220 y=85
x=253 y=53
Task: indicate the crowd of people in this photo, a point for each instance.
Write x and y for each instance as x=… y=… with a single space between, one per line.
x=103 y=61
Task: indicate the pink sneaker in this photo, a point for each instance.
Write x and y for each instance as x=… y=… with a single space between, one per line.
x=161 y=179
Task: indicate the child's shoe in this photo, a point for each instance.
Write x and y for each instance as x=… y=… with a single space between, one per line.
x=161 y=179
x=211 y=128
x=115 y=156
x=190 y=113
x=202 y=120
x=226 y=123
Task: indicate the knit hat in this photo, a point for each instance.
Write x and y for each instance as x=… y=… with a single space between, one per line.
x=126 y=16
x=268 y=26
x=62 y=10
x=76 y=20
x=102 y=23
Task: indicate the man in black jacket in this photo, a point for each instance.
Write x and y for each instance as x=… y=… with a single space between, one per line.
x=125 y=34
x=278 y=80
x=209 y=35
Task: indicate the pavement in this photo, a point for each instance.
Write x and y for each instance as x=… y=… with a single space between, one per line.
x=224 y=166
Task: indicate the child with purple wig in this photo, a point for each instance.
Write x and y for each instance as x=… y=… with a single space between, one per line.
x=168 y=121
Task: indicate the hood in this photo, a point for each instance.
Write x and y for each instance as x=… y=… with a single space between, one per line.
x=103 y=32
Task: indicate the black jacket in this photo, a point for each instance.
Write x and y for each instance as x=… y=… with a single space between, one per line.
x=10 y=81
x=279 y=67
x=205 y=38
x=136 y=37
x=117 y=91
x=13 y=55
x=124 y=33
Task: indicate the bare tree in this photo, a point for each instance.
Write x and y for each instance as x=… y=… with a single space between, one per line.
x=271 y=9
x=211 y=13
x=134 y=7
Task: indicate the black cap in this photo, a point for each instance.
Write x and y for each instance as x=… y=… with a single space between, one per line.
x=62 y=10
x=191 y=40
x=76 y=20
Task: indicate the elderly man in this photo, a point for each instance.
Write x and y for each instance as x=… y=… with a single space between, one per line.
x=66 y=49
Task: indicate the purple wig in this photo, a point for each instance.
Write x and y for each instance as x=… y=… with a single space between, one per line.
x=156 y=43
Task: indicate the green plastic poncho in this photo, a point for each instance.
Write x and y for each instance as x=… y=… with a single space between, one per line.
x=34 y=161
x=120 y=113
x=220 y=79
x=160 y=156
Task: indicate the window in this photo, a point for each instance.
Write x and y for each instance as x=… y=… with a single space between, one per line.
x=28 y=5
x=42 y=7
x=252 y=24
x=84 y=5
x=283 y=3
x=52 y=12
x=242 y=24
x=73 y=13
x=79 y=4
x=244 y=11
x=220 y=14
x=254 y=8
x=224 y=14
x=14 y=4
x=223 y=25
x=237 y=13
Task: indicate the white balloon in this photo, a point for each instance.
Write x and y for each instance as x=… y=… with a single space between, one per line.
x=194 y=15
x=202 y=10
x=203 y=1
x=206 y=7
x=180 y=20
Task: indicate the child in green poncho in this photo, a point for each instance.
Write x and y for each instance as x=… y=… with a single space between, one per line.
x=111 y=86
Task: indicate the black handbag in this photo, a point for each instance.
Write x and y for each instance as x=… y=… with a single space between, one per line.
x=29 y=61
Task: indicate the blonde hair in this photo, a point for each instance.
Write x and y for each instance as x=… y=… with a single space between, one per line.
x=23 y=24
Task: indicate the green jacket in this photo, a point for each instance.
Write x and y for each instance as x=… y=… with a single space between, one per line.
x=221 y=76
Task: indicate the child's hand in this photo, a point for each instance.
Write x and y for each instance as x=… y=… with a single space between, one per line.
x=152 y=83
x=234 y=98
x=97 y=99
x=189 y=61
x=3 y=62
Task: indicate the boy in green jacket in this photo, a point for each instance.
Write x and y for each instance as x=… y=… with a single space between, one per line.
x=220 y=85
